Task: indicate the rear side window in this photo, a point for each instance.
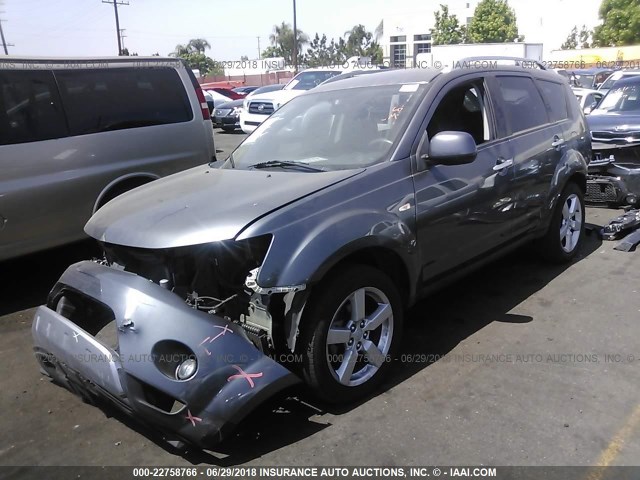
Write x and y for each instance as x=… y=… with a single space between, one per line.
x=555 y=98
x=524 y=108
x=102 y=100
x=30 y=109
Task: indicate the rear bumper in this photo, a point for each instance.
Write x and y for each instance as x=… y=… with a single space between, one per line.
x=136 y=373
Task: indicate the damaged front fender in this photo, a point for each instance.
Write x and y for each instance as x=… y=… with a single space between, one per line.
x=115 y=336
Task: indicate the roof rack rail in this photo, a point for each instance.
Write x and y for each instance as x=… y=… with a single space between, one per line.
x=516 y=60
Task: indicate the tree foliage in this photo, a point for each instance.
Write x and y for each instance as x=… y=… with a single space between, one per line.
x=586 y=36
x=620 y=23
x=322 y=52
x=494 y=21
x=447 y=30
x=571 y=43
x=282 y=43
x=199 y=61
x=193 y=54
x=195 y=45
x=198 y=45
x=577 y=39
x=360 y=43
x=180 y=50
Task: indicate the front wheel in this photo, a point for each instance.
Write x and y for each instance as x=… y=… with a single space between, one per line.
x=350 y=329
x=562 y=241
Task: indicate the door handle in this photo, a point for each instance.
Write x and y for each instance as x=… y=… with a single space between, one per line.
x=503 y=164
x=558 y=142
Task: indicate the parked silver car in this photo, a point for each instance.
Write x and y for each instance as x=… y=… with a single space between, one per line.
x=75 y=134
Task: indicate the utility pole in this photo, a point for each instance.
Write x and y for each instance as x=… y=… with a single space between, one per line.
x=122 y=37
x=115 y=8
x=259 y=51
x=4 y=42
x=295 y=40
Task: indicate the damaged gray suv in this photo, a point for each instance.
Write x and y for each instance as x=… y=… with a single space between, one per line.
x=296 y=258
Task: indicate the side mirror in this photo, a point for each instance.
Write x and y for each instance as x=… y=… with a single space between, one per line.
x=451 y=148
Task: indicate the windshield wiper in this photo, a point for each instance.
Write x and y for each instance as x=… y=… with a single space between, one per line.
x=281 y=164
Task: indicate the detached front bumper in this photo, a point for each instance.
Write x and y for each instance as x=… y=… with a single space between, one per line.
x=614 y=177
x=119 y=337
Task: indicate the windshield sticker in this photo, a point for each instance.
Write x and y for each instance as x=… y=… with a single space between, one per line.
x=409 y=88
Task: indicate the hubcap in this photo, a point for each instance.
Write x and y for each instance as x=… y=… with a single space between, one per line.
x=359 y=336
x=571 y=225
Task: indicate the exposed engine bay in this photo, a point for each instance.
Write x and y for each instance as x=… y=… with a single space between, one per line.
x=217 y=278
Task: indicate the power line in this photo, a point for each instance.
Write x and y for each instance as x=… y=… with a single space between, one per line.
x=115 y=4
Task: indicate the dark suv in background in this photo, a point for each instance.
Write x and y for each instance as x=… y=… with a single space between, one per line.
x=296 y=259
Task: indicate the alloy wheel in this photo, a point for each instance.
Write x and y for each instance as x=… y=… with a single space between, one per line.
x=571 y=224
x=360 y=336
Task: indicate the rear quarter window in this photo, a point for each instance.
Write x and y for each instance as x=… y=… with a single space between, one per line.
x=99 y=100
x=522 y=103
x=554 y=96
x=30 y=108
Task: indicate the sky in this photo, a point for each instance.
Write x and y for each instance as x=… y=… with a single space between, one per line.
x=232 y=27
x=87 y=27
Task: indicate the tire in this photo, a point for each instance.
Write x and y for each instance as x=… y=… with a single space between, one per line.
x=228 y=129
x=566 y=233
x=357 y=359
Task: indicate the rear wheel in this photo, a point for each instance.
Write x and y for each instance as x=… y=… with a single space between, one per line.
x=350 y=329
x=562 y=241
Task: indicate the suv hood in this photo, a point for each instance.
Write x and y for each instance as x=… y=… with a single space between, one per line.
x=202 y=205
x=600 y=120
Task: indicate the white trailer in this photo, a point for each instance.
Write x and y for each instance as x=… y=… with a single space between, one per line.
x=445 y=56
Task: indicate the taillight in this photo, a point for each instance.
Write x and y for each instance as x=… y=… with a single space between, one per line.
x=203 y=103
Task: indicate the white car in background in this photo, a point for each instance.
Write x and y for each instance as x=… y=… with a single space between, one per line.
x=614 y=77
x=258 y=107
x=588 y=99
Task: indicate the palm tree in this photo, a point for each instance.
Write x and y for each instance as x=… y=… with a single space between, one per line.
x=282 y=40
x=199 y=44
x=280 y=34
x=181 y=50
x=357 y=40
